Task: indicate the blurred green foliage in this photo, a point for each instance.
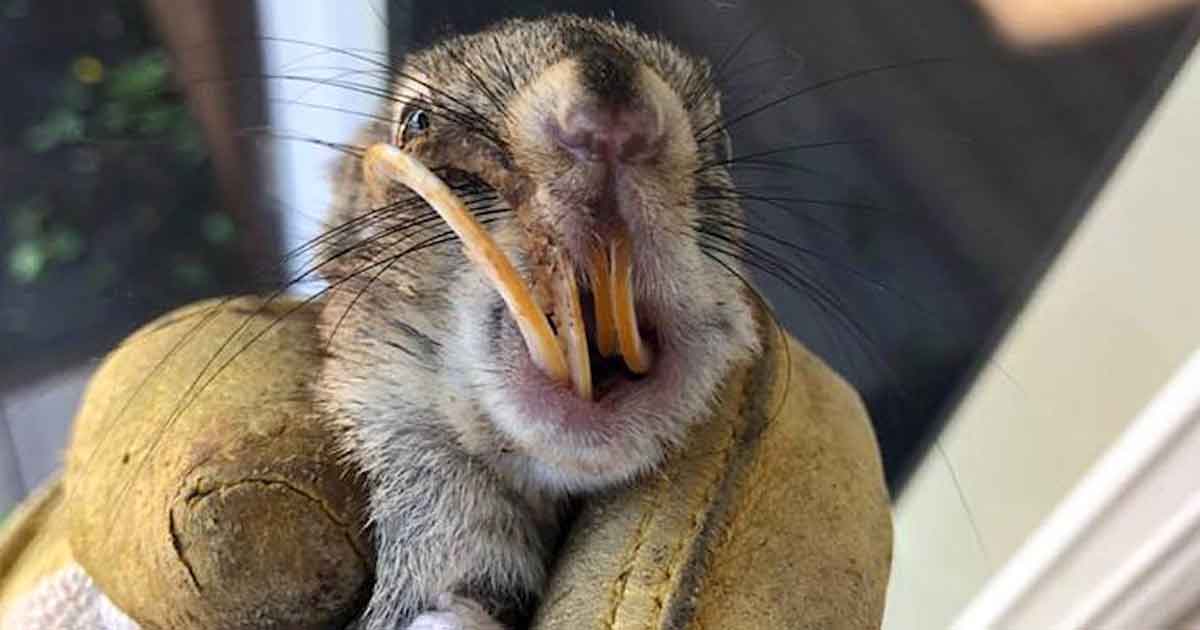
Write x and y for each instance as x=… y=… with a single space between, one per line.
x=96 y=106
x=110 y=211
x=39 y=241
x=15 y=9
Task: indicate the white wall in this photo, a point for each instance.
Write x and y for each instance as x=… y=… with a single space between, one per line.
x=302 y=171
x=1116 y=316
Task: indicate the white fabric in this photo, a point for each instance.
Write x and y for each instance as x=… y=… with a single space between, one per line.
x=70 y=600
x=454 y=613
x=67 y=600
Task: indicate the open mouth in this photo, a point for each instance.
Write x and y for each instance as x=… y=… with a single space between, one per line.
x=589 y=338
x=608 y=367
x=598 y=326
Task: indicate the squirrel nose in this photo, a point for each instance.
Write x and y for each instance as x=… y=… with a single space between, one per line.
x=609 y=133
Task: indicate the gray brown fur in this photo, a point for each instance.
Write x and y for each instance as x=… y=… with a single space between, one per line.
x=466 y=493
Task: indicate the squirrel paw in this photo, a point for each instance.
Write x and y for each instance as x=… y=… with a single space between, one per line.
x=455 y=613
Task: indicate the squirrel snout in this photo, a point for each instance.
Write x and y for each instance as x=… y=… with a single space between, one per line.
x=609 y=133
x=598 y=104
x=609 y=114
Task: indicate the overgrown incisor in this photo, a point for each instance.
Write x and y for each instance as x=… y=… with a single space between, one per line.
x=389 y=163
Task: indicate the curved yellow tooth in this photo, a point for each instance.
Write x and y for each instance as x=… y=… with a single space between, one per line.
x=633 y=349
x=606 y=334
x=390 y=163
x=572 y=330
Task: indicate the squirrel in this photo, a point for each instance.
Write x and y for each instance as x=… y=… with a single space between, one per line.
x=591 y=151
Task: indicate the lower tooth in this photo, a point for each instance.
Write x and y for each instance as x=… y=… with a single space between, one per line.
x=606 y=336
x=572 y=329
x=633 y=349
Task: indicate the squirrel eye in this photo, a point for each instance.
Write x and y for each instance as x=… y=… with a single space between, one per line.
x=415 y=123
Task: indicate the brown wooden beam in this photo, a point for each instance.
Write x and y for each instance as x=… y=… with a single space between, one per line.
x=215 y=52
